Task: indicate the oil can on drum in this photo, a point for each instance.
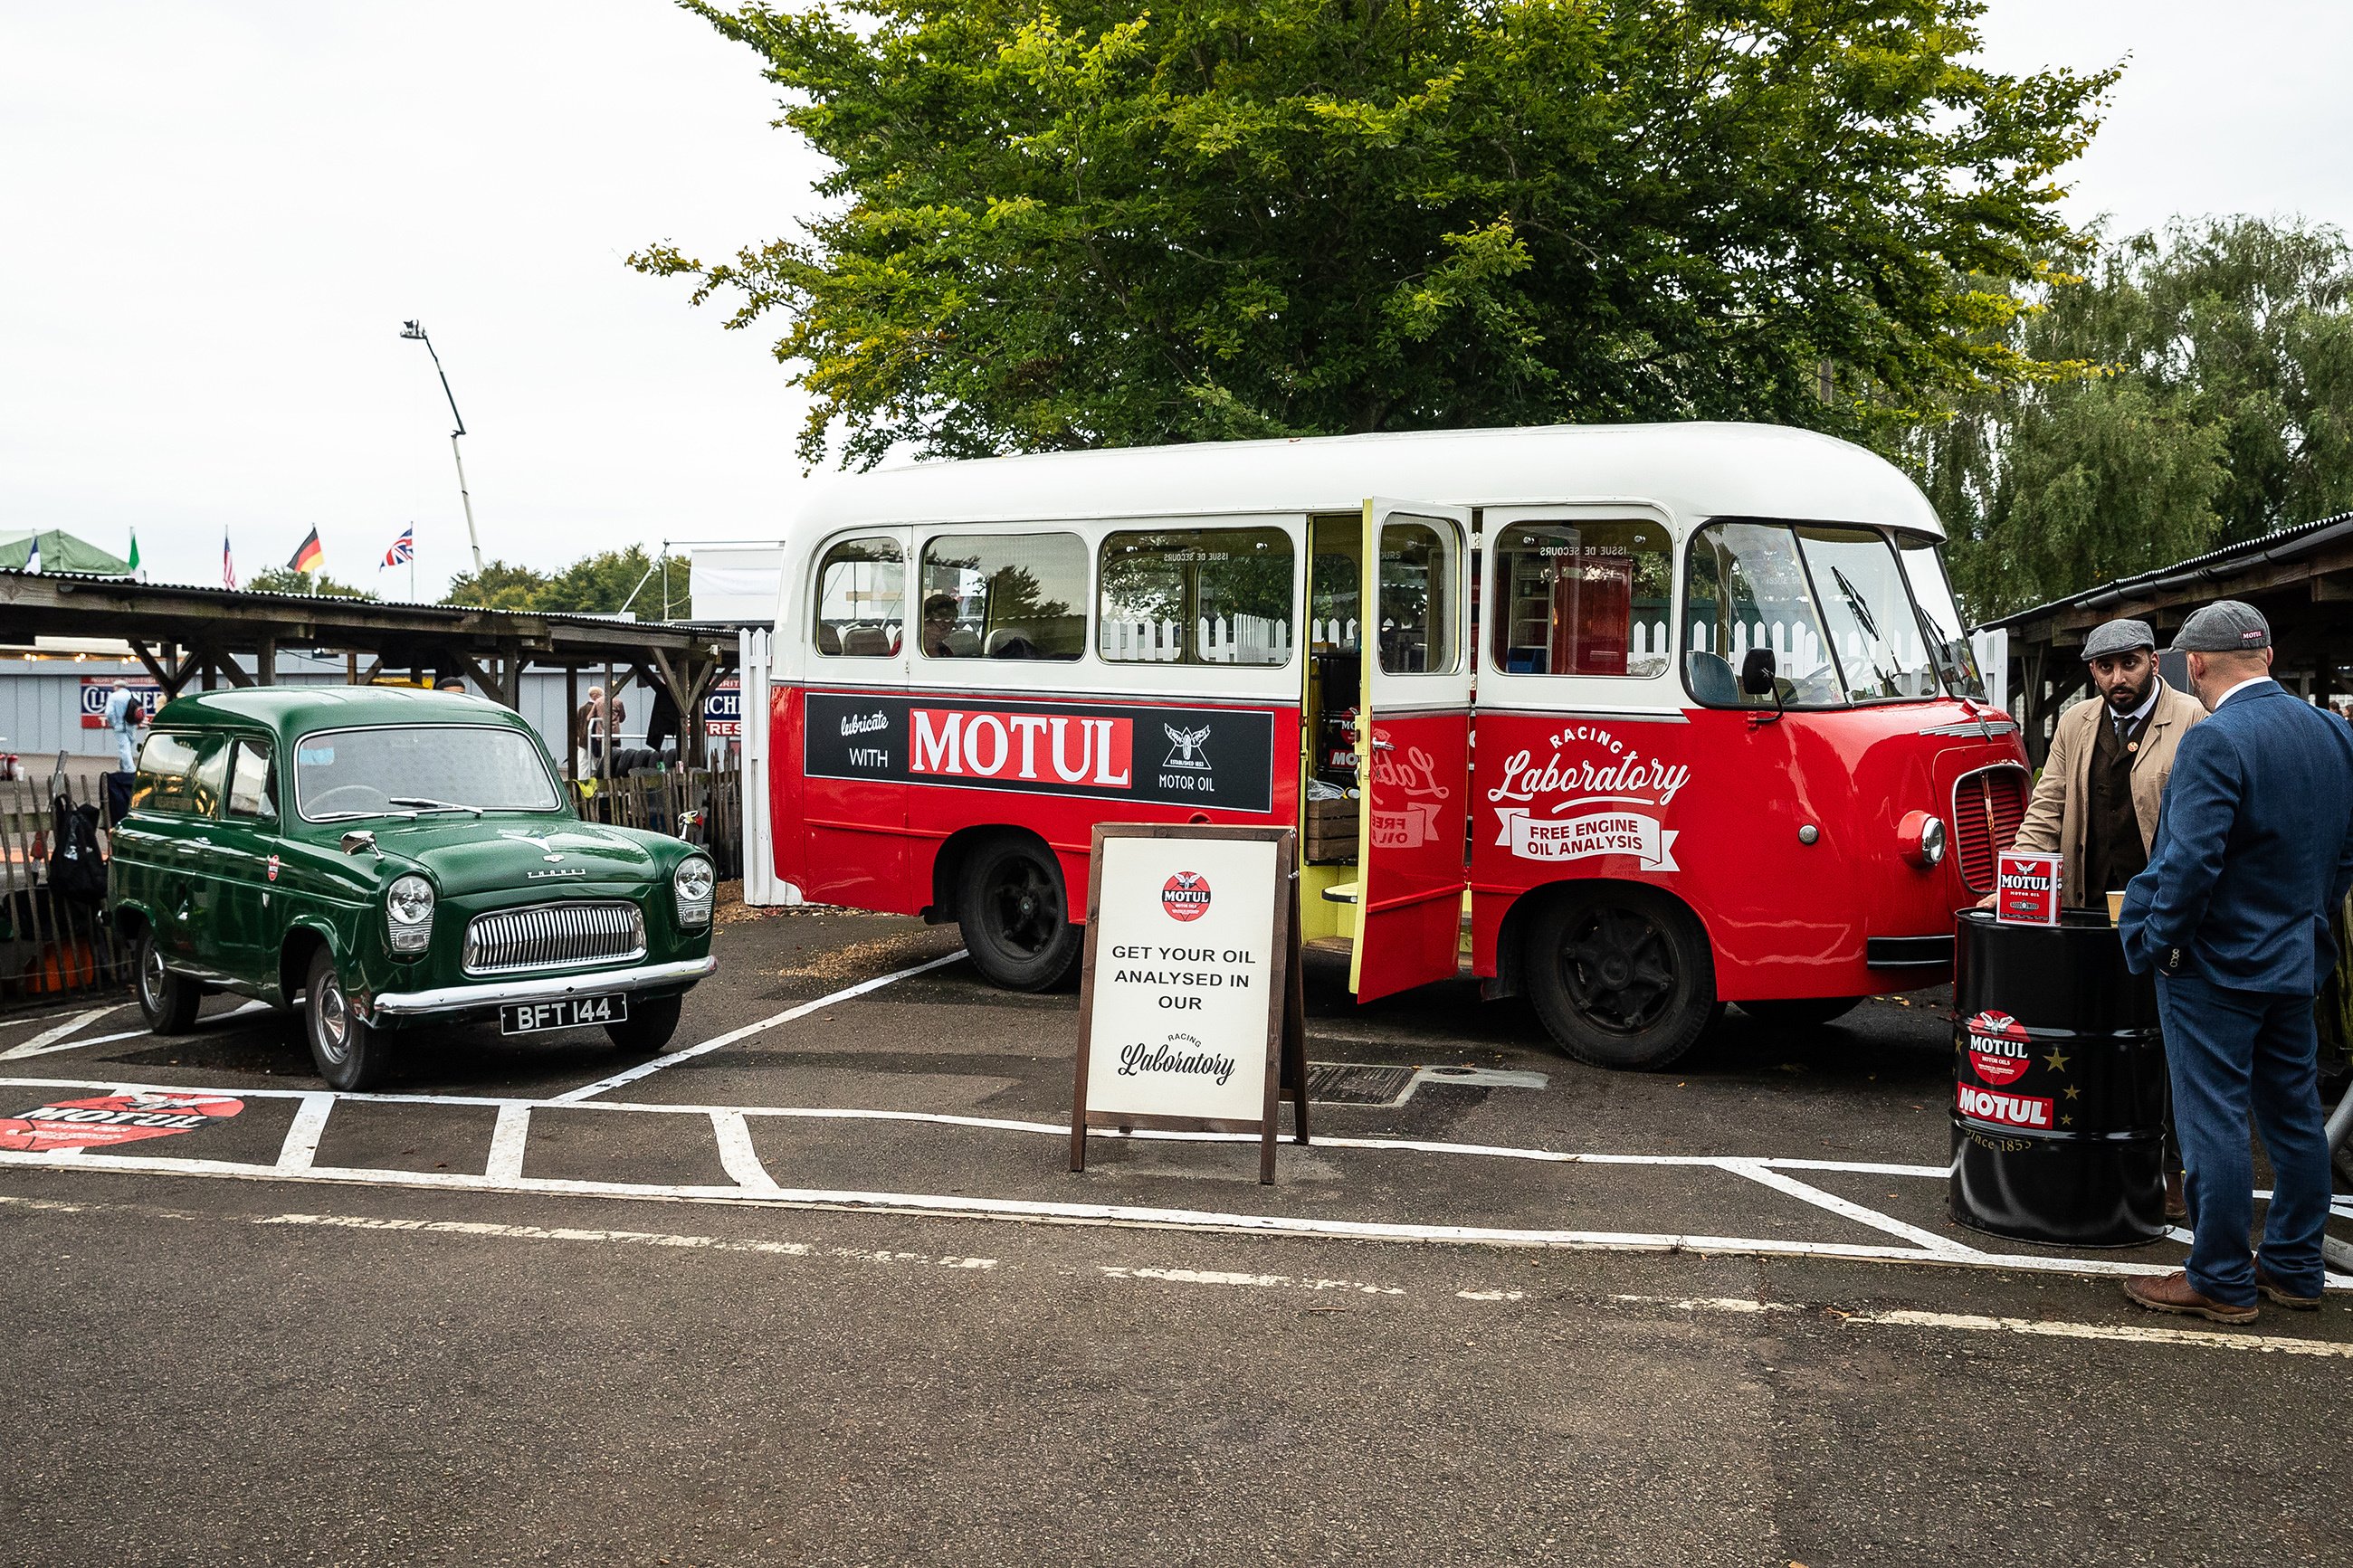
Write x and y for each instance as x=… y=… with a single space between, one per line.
x=2058 y=1085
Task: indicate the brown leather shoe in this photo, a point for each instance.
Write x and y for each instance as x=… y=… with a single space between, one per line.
x=2177 y=1202
x=2174 y=1293
x=2283 y=1296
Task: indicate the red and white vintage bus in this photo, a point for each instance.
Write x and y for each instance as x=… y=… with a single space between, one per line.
x=1727 y=723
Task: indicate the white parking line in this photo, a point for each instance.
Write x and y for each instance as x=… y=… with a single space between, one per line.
x=1971 y=1322
x=621 y=1238
x=45 y=1041
x=1253 y=1281
x=647 y=1069
x=56 y=1040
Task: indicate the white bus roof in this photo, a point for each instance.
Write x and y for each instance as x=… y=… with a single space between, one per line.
x=1696 y=470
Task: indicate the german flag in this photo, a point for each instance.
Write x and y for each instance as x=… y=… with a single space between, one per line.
x=308 y=556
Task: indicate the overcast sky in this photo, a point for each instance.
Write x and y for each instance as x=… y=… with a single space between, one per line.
x=219 y=215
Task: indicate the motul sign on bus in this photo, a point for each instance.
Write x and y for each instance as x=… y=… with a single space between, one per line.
x=1031 y=747
x=1220 y=757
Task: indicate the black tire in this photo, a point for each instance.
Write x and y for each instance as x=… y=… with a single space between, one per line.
x=1800 y=1013
x=168 y=1001
x=1622 y=977
x=1016 y=915
x=348 y=1053
x=647 y=1028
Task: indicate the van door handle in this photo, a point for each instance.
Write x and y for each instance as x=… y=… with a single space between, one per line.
x=1381 y=745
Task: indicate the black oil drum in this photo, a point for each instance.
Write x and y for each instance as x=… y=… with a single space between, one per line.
x=2058 y=1085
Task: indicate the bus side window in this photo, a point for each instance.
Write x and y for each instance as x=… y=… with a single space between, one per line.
x=1582 y=598
x=1005 y=595
x=862 y=591
x=1416 y=630
x=1196 y=597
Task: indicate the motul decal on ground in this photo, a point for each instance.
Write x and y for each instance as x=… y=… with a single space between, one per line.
x=1219 y=757
x=112 y=1119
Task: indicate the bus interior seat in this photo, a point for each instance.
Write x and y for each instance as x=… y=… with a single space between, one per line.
x=828 y=638
x=1005 y=642
x=1712 y=681
x=959 y=642
x=867 y=642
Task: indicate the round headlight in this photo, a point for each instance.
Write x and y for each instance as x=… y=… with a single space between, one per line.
x=690 y=885
x=1932 y=840
x=410 y=902
x=1921 y=838
x=408 y=912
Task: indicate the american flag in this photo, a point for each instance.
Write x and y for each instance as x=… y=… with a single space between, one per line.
x=404 y=548
x=228 y=562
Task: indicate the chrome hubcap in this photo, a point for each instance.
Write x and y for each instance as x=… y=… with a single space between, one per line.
x=332 y=1017
x=150 y=976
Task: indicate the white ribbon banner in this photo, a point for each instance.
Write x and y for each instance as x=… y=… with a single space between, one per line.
x=1595 y=833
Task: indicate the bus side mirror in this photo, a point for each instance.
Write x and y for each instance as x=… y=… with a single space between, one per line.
x=1757 y=671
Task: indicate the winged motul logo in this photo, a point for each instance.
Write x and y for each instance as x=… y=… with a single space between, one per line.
x=1997 y=1048
x=1186 y=896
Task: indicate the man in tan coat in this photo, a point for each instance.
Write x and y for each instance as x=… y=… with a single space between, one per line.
x=2097 y=799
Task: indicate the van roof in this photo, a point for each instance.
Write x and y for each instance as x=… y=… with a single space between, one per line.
x=1696 y=470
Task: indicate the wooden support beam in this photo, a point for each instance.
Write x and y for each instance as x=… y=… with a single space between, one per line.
x=173 y=679
x=265 y=662
x=228 y=668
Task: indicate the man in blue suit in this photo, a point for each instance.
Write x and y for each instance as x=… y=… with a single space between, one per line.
x=2252 y=858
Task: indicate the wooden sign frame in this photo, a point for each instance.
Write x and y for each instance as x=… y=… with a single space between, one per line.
x=1287 y=1010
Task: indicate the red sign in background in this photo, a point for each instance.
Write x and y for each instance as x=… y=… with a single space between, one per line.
x=112 y=1119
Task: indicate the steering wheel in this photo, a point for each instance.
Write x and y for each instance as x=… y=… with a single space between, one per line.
x=369 y=798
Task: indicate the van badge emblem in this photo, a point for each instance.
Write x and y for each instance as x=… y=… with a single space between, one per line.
x=1185 y=747
x=552 y=859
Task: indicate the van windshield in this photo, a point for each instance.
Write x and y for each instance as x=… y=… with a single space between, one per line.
x=417 y=769
x=1834 y=604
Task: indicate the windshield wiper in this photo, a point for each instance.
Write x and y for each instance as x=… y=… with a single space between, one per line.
x=349 y=816
x=427 y=804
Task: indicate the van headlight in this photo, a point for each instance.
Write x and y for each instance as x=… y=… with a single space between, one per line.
x=408 y=913
x=1921 y=838
x=691 y=885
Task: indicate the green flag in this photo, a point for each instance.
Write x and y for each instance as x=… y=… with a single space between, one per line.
x=133 y=562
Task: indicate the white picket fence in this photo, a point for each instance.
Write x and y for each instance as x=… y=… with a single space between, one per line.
x=1229 y=639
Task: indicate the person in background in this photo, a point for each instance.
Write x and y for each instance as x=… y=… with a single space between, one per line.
x=939 y=619
x=2253 y=860
x=661 y=725
x=2097 y=799
x=124 y=714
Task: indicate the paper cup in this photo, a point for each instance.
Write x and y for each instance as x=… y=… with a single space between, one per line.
x=2116 y=908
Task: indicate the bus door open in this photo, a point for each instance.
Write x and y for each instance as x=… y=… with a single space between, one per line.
x=1413 y=747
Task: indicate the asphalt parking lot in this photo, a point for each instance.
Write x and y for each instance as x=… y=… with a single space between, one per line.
x=818 y=1288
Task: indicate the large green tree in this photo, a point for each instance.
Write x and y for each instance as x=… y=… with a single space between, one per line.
x=2216 y=403
x=1113 y=221
x=650 y=586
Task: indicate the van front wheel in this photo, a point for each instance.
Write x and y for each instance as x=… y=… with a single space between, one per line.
x=1016 y=915
x=1622 y=977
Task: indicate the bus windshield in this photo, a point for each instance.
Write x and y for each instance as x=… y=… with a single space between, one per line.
x=1848 y=618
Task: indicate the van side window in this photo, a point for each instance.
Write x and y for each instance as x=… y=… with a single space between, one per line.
x=1583 y=598
x=167 y=766
x=252 y=786
x=1217 y=596
x=862 y=599
x=1005 y=595
x=204 y=789
x=1416 y=630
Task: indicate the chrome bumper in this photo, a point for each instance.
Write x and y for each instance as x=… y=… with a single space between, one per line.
x=465 y=998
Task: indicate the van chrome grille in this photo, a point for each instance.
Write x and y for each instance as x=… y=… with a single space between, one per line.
x=1988 y=807
x=554 y=936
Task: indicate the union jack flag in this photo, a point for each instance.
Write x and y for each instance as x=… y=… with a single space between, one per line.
x=404 y=548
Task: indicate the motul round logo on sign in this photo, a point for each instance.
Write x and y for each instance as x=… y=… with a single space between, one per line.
x=1997 y=1048
x=1186 y=896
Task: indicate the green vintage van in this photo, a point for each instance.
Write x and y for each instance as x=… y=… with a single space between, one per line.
x=399 y=858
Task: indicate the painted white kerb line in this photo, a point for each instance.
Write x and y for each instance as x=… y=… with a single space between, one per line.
x=2127 y=1333
x=646 y=1070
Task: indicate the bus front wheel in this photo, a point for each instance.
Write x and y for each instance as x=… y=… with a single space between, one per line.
x=1622 y=977
x=1016 y=915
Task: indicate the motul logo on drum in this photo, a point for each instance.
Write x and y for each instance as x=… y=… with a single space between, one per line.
x=2008 y=1110
x=1997 y=1043
x=1037 y=747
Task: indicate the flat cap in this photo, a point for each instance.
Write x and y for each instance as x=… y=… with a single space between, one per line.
x=2226 y=626
x=2117 y=637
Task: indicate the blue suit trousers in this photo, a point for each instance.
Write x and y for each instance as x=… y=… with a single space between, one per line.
x=2230 y=1052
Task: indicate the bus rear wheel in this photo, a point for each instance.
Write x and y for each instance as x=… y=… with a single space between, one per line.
x=1622 y=977
x=1016 y=915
